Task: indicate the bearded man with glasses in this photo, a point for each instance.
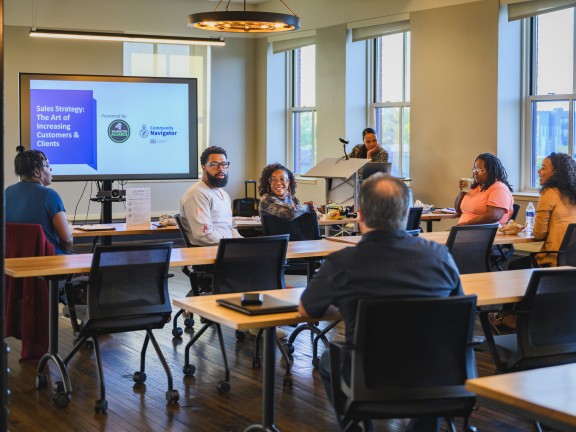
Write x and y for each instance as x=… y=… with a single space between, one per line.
x=206 y=208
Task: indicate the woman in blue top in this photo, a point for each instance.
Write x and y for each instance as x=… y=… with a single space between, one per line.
x=30 y=201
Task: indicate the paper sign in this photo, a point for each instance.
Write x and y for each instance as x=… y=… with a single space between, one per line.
x=138 y=206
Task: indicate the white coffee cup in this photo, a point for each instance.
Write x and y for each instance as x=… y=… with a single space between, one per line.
x=466 y=183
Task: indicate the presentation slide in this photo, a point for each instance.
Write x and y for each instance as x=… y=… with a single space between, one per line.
x=114 y=128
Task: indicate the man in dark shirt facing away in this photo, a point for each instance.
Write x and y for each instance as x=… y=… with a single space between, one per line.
x=387 y=262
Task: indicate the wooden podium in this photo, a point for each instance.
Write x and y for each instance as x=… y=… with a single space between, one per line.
x=345 y=170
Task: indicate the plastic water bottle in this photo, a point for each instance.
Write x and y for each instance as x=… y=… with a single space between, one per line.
x=530 y=213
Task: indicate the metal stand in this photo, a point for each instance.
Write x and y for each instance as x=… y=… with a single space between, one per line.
x=106 y=210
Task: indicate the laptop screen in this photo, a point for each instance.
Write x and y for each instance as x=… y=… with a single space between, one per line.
x=374 y=167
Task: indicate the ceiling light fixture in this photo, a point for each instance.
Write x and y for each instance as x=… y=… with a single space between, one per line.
x=244 y=21
x=123 y=37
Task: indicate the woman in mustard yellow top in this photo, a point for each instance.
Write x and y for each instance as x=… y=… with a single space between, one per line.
x=556 y=207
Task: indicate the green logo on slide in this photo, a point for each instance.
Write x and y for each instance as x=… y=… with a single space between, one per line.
x=119 y=131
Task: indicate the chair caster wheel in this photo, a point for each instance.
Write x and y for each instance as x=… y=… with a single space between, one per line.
x=61 y=399
x=172 y=396
x=223 y=386
x=41 y=381
x=139 y=377
x=189 y=369
x=240 y=336
x=256 y=362
x=287 y=382
x=59 y=387
x=189 y=322
x=177 y=332
x=289 y=348
x=101 y=406
x=316 y=362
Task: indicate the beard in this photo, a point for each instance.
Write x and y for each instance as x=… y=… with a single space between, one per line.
x=215 y=181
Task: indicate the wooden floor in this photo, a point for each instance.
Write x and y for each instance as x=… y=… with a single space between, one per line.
x=302 y=407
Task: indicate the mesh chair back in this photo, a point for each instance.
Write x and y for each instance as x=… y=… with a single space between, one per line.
x=182 y=232
x=250 y=264
x=548 y=328
x=304 y=227
x=567 y=257
x=129 y=281
x=430 y=358
x=470 y=246
x=414 y=215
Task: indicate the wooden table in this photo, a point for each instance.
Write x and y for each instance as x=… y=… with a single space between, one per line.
x=442 y=237
x=500 y=286
x=53 y=266
x=490 y=288
x=207 y=307
x=545 y=394
x=243 y=223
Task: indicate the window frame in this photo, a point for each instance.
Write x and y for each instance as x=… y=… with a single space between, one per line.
x=529 y=44
x=373 y=47
x=292 y=111
x=154 y=51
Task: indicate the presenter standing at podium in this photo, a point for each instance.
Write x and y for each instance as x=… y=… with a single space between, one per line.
x=370 y=148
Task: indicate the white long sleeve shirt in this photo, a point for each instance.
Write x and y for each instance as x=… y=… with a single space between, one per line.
x=206 y=215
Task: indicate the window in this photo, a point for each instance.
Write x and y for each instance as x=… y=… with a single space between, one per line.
x=302 y=108
x=143 y=59
x=549 y=113
x=390 y=105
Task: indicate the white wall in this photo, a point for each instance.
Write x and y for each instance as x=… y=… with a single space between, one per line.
x=233 y=118
x=453 y=95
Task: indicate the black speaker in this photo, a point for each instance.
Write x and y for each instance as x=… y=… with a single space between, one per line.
x=114 y=193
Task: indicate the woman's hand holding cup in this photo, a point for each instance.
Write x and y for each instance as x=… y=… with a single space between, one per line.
x=465 y=184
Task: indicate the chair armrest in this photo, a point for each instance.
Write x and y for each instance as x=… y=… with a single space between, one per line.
x=336 y=376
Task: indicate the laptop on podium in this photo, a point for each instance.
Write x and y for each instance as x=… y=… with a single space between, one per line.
x=374 y=167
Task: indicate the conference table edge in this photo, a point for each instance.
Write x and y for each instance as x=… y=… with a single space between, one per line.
x=516 y=405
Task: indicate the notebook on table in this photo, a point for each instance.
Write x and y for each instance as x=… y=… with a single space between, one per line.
x=270 y=305
x=95 y=227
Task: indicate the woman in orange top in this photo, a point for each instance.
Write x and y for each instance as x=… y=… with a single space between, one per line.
x=490 y=197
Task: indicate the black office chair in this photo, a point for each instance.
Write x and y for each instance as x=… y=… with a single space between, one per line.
x=194 y=274
x=243 y=265
x=304 y=227
x=414 y=216
x=127 y=292
x=567 y=251
x=425 y=378
x=545 y=326
x=470 y=246
x=502 y=253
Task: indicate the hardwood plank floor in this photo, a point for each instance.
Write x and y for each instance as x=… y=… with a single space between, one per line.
x=302 y=407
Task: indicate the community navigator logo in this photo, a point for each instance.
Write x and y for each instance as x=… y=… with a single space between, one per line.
x=119 y=131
